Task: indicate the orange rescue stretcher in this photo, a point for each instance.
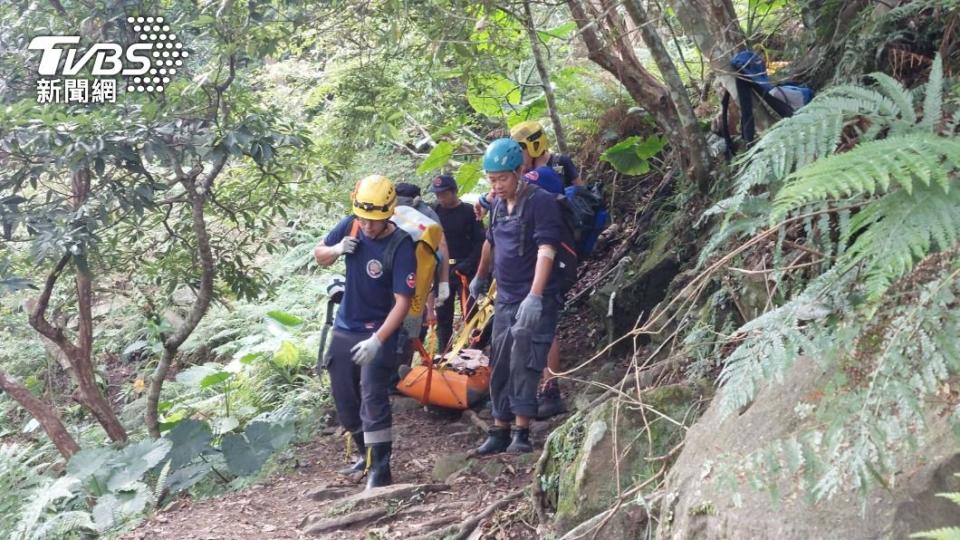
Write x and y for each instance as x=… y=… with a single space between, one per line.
x=459 y=378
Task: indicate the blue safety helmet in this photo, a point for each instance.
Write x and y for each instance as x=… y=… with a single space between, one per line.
x=502 y=155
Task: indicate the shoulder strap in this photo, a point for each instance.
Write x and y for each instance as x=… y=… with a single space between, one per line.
x=398 y=236
x=495 y=211
x=523 y=202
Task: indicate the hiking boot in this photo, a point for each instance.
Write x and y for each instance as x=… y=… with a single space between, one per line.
x=520 y=443
x=498 y=439
x=550 y=403
x=361 y=464
x=379 y=474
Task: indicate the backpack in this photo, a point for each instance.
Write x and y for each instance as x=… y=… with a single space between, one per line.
x=565 y=260
x=589 y=217
x=426 y=235
x=751 y=76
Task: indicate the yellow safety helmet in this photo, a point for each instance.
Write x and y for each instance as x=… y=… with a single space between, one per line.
x=531 y=137
x=374 y=197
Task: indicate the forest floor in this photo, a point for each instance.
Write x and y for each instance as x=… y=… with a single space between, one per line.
x=436 y=486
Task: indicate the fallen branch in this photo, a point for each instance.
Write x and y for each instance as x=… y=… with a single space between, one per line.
x=478 y=422
x=467 y=526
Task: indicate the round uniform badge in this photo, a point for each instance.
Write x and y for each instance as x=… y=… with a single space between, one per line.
x=411 y=280
x=437 y=181
x=374 y=268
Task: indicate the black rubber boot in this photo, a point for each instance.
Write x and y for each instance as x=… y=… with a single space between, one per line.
x=498 y=439
x=520 y=441
x=361 y=464
x=379 y=474
x=550 y=403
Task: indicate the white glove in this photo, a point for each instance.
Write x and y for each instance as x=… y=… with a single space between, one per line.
x=365 y=351
x=348 y=245
x=443 y=292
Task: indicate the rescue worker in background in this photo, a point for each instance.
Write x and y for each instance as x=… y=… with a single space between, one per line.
x=361 y=358
x=465 y=240
x=536 y=154
x=521 y=244
x=409 y=195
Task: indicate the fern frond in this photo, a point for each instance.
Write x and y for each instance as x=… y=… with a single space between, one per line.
x=946 y=533
x=952 y=497
x=895 y=90
x=64 y=523
x=896 y=231
x=933 y=96
x=161 y=481
x=870 y=168
x=773 y=341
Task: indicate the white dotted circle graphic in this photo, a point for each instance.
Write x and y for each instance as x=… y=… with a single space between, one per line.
x=166 y=52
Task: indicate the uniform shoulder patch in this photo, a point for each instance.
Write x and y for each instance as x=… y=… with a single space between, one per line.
x=412 y=280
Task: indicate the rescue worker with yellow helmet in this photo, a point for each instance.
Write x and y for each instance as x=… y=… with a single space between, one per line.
x=361 y=358
x=536 y=152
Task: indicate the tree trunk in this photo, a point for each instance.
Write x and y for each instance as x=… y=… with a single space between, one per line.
x=544 y=77
x=695 y=158
x=43 y=413
x=196 y=190
x=642 y=86
x=80 y=354
x=82 y=358
x=714 y=27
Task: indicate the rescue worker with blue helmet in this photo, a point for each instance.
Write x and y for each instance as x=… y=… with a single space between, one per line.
x=521 y=244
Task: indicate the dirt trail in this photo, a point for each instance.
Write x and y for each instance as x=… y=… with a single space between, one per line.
x=430 y=452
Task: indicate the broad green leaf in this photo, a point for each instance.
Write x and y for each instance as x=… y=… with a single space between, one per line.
x=437 y=158
x=189 y=438
x=243 y=459
x=90 y=461
x=113 y=508
x=134 y=460
x=630 y=155
x=533 y=109
x=492 y=94
x=215 y=379
x=186 y=477
x=650 y=146
x=468 y=175
x=274 y=435
x=194 y=375
x=225 y=424
x=287 y=355
x=562 y=31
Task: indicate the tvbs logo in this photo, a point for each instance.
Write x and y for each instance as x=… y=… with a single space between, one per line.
x=147 y=64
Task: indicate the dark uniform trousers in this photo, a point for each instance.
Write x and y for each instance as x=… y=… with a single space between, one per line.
x=445 y=312
x=518 y=359
x=361 y=394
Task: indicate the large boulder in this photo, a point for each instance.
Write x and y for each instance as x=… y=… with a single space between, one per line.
x=712 y=493
x=596 y=455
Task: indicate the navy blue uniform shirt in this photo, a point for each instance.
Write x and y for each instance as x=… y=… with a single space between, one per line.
x=540 y=224
x=368 y=297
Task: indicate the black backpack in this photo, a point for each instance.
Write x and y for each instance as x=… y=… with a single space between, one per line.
x=565 y=261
